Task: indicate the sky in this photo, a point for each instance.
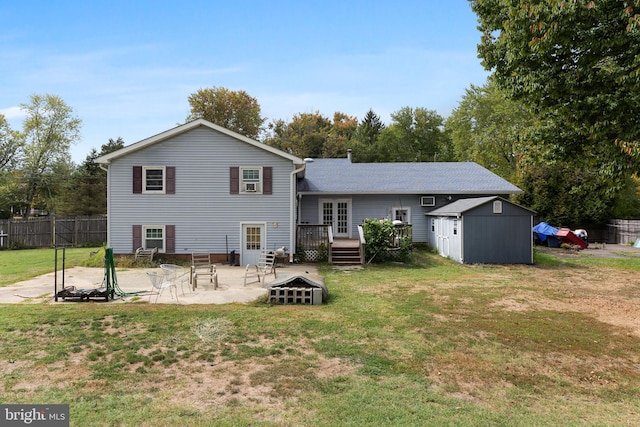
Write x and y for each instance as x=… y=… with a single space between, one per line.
x=127 y=68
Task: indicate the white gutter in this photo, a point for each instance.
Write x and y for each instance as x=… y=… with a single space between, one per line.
x=292 y=211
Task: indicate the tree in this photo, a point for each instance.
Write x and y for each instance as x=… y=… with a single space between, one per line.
x=489 y=129
x=369 y=129
x=86 y=190
x=305 y=136
x=49 y=130
x=575 y=64
x=415 y=135
x=10 y=145
x=233 y=110
x=341 y=134
x=627 y=204
x=366 y=136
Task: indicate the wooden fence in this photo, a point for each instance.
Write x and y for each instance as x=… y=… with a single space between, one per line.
x=45 y=232
x=625 y=230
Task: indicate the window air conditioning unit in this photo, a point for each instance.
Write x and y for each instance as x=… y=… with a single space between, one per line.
x=250 y=187
x=427 y=201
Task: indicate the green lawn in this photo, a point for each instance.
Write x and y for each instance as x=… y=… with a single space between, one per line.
x=430 y=343
x=18 y=265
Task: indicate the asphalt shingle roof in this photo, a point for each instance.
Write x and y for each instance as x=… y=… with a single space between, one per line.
x=461 y=206
x=340 y=176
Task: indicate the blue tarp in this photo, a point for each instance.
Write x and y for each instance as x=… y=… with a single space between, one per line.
x=544 y=230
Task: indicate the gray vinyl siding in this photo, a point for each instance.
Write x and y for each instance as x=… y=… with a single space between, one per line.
x=205 y=215
x=370 y=206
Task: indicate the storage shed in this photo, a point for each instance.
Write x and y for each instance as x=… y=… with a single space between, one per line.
x=485 y=230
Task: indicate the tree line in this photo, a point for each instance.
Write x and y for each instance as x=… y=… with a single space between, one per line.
x=37 y=174
x=557 y=117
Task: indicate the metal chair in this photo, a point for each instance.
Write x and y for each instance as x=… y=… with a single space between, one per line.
x=265 y=265
x=175 y=274
x=159 y=284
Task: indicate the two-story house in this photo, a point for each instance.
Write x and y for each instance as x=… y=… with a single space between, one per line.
x=200 y=187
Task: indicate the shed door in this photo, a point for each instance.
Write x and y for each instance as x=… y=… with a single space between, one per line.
x=253 y=240
x=442 y=236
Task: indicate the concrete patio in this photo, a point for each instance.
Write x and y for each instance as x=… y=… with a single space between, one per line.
x=136 y=284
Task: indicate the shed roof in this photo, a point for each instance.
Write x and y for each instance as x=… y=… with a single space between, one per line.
x=341 y=176
x=463 y=205
x=185 y=128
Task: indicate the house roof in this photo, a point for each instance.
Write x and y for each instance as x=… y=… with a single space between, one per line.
x=341 y=176
x=106 y=159
x=463 y=205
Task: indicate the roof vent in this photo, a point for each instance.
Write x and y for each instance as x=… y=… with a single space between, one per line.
x=308 y=160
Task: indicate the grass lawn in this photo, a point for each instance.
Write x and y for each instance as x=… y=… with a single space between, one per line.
x=18 y=265
x=430 y=343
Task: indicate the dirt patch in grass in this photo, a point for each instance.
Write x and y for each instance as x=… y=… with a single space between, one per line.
x=271 y=382
x=607 y=295
x=610 y=295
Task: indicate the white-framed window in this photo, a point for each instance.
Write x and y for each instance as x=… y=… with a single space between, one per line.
x=154 y=179
x=154 y=236
x=251 y=180
x=401 y=214
x=428 y=201
x=497 y=207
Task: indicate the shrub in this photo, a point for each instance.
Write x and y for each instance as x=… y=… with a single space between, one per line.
x=380 y=235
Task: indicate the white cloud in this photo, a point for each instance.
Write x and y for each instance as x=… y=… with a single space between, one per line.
x=13 y=113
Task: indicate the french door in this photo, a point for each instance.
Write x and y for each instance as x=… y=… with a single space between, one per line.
x=337 y=214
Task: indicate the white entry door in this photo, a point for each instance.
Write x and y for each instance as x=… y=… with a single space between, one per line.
x=337 y=214
x=253 y=240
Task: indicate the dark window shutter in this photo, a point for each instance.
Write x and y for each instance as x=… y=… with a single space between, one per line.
x=170 y=180
x=234 y=180
x=170 y=239
x=137 y=179
x=137 y=237
x=267 y=180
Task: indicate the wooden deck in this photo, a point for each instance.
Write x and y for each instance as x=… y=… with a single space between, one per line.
x=346 y=243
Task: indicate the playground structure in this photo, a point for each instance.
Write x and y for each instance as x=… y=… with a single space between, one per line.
x=109 y=288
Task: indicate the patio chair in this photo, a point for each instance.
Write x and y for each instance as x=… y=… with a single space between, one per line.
x=201 y=266
x=265 y=266
x=145 y=254
x=175 y=274
x=159 y=284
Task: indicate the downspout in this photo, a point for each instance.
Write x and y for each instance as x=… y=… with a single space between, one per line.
x=292 y=211
x=106 y=169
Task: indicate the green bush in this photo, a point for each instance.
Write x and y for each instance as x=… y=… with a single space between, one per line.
x=379 y=235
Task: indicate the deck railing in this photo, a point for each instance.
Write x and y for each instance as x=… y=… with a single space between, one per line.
x=363 y=242
x=313 y=242
x=399 y=234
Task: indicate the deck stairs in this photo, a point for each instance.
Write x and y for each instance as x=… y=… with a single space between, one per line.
x=346 y=252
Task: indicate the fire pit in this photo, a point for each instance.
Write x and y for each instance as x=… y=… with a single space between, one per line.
x=297 y=290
